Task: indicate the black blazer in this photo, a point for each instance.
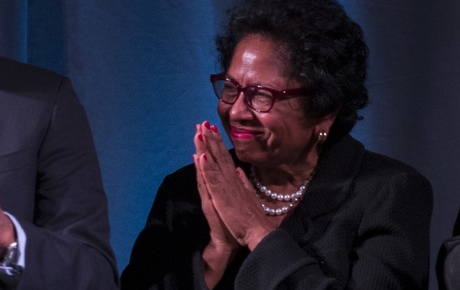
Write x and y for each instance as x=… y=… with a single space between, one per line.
x=50 y=181
x=363 y=224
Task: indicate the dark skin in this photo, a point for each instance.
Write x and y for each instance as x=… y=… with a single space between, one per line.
x=281 y=145
x=7 y=232
x=222 y=186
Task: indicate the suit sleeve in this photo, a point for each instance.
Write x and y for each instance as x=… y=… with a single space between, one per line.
x=393 y=246
x=68 y=242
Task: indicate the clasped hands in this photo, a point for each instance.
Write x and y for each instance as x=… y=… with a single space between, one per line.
x=228 y=199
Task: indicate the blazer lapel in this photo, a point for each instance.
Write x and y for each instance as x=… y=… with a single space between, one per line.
x=336 y=170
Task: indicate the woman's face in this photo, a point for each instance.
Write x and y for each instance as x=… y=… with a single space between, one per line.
x=284 y=135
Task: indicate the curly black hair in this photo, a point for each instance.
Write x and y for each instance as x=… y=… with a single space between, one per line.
x=326 y=51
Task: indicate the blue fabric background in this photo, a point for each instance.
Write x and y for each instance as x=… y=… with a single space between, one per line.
x=141 y=70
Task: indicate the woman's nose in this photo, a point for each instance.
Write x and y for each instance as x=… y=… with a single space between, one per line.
x=240 y=107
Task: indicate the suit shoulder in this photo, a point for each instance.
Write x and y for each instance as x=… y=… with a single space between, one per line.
x=21 y=78
x=378 y=161
x=385 y=168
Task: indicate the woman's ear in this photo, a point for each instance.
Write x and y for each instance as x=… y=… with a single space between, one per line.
x=323 y=126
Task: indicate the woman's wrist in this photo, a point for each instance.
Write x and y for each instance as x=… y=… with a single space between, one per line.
x=216 y=257
x=219 y=251
x=255 y=238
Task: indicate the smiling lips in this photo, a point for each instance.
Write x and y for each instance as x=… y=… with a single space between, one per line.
x=237 y=133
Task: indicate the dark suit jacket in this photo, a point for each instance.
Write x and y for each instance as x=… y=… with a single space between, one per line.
x=363 y=224
x=50 y=181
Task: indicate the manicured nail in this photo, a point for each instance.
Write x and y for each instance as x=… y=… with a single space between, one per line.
x=200 y=137
x=206 y=124
x=205 y=157
x=214 y=129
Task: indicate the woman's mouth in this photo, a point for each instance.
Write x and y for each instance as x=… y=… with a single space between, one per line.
x=238 y=133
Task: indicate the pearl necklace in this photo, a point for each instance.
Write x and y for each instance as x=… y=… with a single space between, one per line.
x=293 y=198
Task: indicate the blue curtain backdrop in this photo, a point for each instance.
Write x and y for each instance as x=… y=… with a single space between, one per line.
x=141 y=70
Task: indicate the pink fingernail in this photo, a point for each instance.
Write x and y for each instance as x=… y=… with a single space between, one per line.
x=206 y=124
x=200 y=137
x=214 y=129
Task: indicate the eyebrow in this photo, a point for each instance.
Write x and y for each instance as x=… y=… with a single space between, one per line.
x=251 y=84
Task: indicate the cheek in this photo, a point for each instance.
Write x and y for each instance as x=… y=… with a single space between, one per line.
x=295 y=104
x=291 y=129
x=222 y=111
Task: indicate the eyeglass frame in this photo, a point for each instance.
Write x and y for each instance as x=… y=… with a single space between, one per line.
x=277 y=94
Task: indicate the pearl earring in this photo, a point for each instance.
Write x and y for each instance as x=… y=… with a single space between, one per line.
x=322 y=136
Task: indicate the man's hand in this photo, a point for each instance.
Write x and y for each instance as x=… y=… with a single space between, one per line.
x=7 y=233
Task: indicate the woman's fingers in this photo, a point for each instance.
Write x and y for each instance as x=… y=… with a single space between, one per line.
x=218 y=231
x=216 y=148
x=199 y=178
x=246 y=182
x=198 y=140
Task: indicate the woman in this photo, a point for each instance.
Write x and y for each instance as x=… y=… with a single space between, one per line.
x=298 y=203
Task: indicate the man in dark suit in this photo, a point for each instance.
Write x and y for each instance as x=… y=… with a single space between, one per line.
x=54 y=230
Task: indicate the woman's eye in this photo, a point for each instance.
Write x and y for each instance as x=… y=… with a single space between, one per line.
x=229 y=88
x=262 y=96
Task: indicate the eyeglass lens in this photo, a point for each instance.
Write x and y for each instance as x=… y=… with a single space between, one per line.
x=259 y=99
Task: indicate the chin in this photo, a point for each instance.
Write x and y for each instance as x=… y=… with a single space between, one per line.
x=244 y=155
x=251 y=151
x=249 y=156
